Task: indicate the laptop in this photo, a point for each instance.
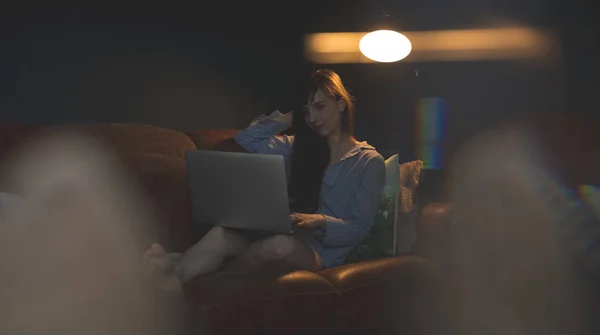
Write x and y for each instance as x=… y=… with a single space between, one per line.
x=239 y=190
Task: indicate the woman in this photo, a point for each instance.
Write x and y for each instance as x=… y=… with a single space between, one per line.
x=335 y=187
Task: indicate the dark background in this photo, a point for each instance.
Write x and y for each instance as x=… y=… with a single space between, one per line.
x=219 y=64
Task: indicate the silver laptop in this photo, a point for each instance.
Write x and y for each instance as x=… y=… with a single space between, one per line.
x=239 y=190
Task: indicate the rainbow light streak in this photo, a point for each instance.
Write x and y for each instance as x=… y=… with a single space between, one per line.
x=431 y=121
x=591 y=195
x=580 y=210
x=589 y=227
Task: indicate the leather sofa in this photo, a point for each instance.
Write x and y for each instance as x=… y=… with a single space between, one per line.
x=397 y=295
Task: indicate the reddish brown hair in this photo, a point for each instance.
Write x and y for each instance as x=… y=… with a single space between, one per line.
x=331 y=84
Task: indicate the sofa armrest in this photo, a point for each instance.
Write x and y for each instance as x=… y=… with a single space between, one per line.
x=433 y=226
x=352 y=276
x=395 y=295
x=435 y=217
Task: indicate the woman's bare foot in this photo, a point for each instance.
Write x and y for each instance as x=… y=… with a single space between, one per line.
x=163 y=268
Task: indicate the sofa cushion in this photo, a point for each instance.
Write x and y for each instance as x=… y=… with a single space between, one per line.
x=129 y=139
x=263 y=301
x=215 y=139
x=408 y=213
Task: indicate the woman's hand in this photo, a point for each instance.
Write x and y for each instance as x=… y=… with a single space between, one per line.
x=308 y=221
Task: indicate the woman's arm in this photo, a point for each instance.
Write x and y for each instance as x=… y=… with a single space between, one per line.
x=261 y=135
x=353 y=230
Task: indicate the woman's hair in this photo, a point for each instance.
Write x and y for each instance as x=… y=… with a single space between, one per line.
x=331 y=84
x=310 y=152
x=310 y=157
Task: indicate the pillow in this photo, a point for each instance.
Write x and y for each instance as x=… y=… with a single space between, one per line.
x=381 y=241
x=407 y=214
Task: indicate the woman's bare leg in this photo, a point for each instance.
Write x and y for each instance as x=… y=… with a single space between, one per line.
x=202 y=258
x=210 y=252
x=279 y=250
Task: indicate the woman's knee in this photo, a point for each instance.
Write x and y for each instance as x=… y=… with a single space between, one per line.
x=216 y=234
x=276 y=248
x=225 y=237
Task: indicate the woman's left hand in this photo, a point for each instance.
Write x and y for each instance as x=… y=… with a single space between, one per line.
x=308 y=221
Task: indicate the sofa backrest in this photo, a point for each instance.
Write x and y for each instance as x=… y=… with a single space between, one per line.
x=136 y=139
x=154 y=157
x=572 y=144
x=215 y=139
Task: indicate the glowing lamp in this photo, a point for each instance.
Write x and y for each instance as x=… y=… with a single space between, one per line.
x=385 y=46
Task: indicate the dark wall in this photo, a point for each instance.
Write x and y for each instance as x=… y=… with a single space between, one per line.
x=121 y=73
x=189 y=80
x=183 y=76
x=477 y=95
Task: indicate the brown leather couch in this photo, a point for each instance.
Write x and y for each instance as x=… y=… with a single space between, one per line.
x=387 y=296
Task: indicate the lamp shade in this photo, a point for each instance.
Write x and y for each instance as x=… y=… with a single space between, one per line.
x=385 y=46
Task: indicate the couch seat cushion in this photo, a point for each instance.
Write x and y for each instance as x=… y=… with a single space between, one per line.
x=263 y=301
x=395 y=295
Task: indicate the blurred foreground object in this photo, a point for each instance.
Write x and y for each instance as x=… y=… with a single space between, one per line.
x=514 y=266
x=70 y=251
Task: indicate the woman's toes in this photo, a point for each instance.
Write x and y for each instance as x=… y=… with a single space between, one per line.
x=155 y=260
x=161 y=263
x=163 y=268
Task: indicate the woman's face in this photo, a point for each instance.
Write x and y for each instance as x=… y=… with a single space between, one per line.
x=324 y=114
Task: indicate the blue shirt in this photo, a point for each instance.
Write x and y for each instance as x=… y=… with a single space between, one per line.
x=350 y=192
